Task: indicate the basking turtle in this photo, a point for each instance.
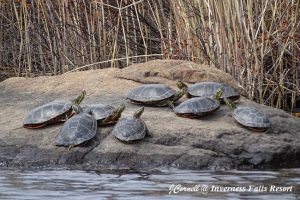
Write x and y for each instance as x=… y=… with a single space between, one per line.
x=77 y=130
x=105 y=114
x=209 y=89
x=197 y=107
x=249 y=117
x=131 y=128
x=155 y=94
x=55 y=111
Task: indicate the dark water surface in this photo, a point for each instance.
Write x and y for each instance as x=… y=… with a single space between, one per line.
x=74 y=184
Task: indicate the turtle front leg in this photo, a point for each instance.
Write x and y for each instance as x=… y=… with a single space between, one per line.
x=170 y=104
x=178 y=95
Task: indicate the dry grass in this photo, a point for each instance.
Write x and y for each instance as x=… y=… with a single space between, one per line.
x=258 y=42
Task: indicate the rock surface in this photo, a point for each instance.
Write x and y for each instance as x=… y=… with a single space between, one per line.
x=166 y=71
x=213 y=141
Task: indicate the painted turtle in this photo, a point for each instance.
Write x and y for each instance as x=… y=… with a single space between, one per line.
x=77 y=130
x=197 y=107
x=130 y=128
x=155 y=94
x=55 y=111
x=105 y=114
x=251 y=118
x=209 y=89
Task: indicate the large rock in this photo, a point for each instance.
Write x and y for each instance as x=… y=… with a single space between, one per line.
x=166 y=71
x=214 y=141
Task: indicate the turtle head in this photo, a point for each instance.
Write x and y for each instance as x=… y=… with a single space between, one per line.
x=118 y=112
x=219 y=93
x=115 y=115
x=181 y=85
x=79 y=99
x=139 y=112
x=230 y=104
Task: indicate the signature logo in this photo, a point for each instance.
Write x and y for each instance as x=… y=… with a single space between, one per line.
x=175 y=189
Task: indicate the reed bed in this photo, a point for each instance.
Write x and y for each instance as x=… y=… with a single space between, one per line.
x=258 y=42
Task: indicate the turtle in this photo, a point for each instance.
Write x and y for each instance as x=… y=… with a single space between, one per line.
x=155 y=94
x=52 y=112
x=130 y=128
x=105 y=114
x=77 y=130
x=249 y=116
x=209 y=89
x=196 y=107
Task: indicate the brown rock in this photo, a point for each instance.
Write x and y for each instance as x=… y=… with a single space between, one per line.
x=213 y=141
x=162 y=71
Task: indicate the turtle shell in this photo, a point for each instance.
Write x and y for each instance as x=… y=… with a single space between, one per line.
x=130 y=129
x=76 y=130
x=151 y=93
x=209 y=89
x=251 y=117
x=48 y=113
x=99 y=111
x=197 y=106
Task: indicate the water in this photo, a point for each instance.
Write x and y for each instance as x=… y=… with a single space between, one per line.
x=150 y=185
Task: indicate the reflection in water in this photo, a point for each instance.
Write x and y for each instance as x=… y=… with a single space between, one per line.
x=72 y=184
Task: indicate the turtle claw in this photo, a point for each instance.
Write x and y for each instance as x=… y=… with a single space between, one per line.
x=70 y=147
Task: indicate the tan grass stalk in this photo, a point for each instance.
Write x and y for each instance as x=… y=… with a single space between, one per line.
x=258 y=42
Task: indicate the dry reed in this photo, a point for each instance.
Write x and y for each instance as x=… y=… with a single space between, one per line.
x=258 y=42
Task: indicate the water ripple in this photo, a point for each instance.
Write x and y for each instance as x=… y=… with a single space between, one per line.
x=74 y=184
